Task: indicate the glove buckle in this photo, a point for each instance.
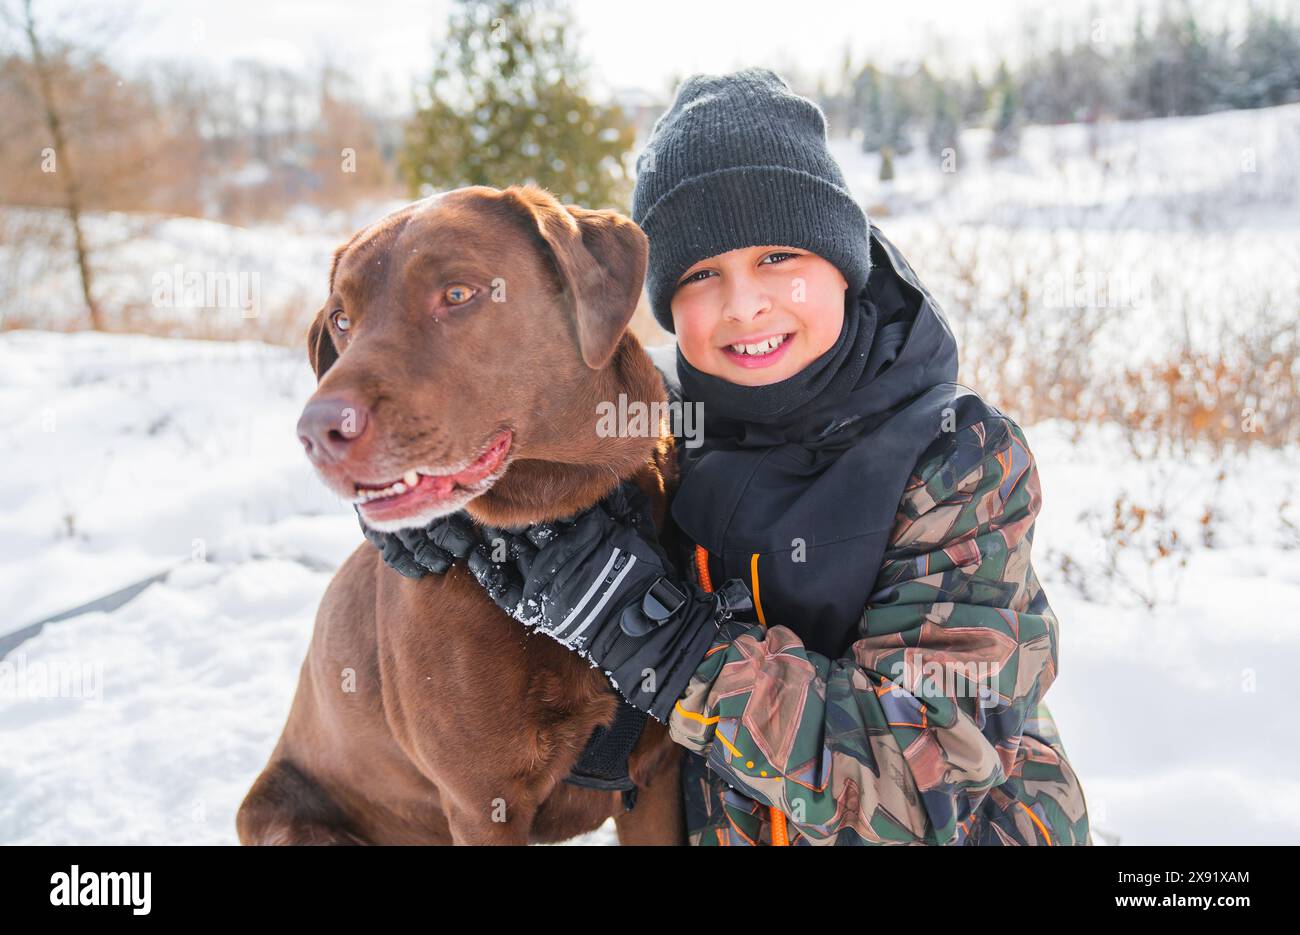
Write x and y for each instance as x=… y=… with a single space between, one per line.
x=662 y=600
x=731 y=598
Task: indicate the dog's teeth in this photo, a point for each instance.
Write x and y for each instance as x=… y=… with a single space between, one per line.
x=411 y=478
x=365 y=496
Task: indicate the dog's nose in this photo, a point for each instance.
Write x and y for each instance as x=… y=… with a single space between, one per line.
x=327 y=427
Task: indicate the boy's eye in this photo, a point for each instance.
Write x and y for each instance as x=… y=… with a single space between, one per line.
x=779 y=257
x=695 y=276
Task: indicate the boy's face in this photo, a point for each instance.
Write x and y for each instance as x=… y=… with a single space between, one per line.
x=783 y=306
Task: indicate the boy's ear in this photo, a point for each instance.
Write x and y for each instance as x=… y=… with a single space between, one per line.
x=601 y=257
x=320 y=346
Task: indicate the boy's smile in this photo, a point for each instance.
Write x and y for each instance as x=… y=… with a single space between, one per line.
x=758 y=315
x=758 y=350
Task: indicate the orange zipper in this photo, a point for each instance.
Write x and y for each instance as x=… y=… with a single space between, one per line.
x=780 y=834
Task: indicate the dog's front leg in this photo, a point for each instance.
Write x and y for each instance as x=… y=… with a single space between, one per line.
x=658 y=818
x=490 y=817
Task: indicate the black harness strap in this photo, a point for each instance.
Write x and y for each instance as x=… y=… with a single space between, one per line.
x=603 y=764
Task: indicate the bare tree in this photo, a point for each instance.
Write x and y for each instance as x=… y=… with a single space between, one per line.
x=64 y=169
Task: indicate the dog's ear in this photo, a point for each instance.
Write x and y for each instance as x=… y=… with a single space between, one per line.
x=601 y=257
x=320 y=346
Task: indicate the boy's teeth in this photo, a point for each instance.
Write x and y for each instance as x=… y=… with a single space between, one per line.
x=411 y=478
x=762 y=347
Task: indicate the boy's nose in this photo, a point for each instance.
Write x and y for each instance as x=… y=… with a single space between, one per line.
x=744 y=302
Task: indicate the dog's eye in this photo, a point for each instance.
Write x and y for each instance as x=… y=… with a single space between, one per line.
x=340 y=320
x=458 y=294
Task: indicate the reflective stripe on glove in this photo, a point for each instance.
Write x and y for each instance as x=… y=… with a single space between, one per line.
x=604 y=588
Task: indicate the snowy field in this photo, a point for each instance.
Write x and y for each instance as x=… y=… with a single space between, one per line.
x=130 y=456
x=1196 y=213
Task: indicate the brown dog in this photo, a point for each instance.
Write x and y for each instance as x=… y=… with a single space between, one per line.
x=461 y=356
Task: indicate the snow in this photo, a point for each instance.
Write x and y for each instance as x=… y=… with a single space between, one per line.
x=149 y=265
x=129 y=455
x=1218 y=170
x=1172 y=716
x=1176 y=717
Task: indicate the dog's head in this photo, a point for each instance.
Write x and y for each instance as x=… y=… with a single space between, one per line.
x=467 y=340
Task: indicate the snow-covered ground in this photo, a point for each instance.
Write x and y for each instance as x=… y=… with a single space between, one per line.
x=1174 y=231
x=1221 y=170
x=215 y=279
x=128 y=456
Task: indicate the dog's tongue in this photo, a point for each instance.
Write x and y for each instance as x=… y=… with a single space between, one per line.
x=431 y=488
x=484 y=465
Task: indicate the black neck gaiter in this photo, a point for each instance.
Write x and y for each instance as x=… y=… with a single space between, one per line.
x=791 y=407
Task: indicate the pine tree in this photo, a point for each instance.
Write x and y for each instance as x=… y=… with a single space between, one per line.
x=869 y=100
x=1180 y=71
x=901 y=112
x=1268 y=62
x=975 y=100
x=1138 y=91
x=945 y=121
x=506 y=103
x=1006 y=122
x=886 y=164
x=884 y=111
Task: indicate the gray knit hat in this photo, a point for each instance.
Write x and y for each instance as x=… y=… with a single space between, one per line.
x=740 y=160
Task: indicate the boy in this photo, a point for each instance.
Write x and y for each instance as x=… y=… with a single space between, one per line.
x=888 y=685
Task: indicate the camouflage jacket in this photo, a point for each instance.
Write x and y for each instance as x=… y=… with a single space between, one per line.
x=931 y=728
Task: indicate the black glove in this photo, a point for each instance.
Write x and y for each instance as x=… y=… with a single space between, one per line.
x=415 y=553
x=599 y=583
x=493 y=555
x=603 y=586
